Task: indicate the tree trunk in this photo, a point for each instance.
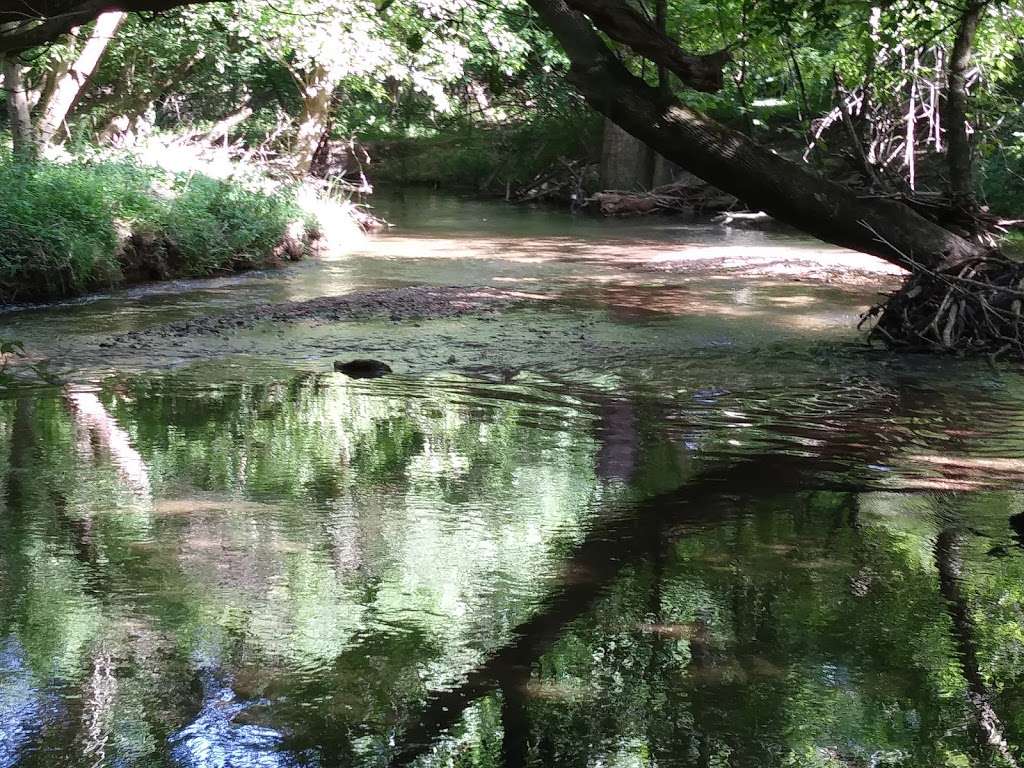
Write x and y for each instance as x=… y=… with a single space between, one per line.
x=56 y=73
x=733 y=162
x=18 y=117
x=958 y=141
x=626 y=162
x=317 y=90
x=69 y=86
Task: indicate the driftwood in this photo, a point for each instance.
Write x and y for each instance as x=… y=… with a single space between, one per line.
x=748 y=220
x=685 y=195
x=973 y=307
x=563 y=182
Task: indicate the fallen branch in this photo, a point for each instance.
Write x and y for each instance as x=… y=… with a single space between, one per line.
x=974 y=307
x=687 y=195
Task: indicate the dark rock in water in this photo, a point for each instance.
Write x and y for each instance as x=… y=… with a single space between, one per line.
x=1017 y=524
x=362 y=369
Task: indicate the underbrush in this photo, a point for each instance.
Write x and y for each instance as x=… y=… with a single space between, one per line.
x=490 y=160
x=70 y=228
x=1002 y=185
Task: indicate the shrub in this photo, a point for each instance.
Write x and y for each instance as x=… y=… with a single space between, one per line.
x=220 y=226
x=64 y=227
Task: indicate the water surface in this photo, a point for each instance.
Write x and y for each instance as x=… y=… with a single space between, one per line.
x=667 y=512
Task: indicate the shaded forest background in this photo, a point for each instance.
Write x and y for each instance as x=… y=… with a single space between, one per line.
x=472 y=94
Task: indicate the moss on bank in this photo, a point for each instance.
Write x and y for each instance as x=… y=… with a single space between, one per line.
x=67 y=229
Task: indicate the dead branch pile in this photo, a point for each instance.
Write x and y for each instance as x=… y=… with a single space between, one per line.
x=974 y=307
x=562 y=182
x=893 y=123
x=687 y=195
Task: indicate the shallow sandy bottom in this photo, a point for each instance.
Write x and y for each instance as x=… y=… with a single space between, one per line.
x=481 y=294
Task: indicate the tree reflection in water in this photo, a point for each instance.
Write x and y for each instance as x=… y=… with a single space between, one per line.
x=318 y=572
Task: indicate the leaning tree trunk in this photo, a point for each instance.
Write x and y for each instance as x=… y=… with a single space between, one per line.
x=731 y=161
x=958 y=140
x=318 y=89
x=18 y=117
x=960 y=295
x=69 y=86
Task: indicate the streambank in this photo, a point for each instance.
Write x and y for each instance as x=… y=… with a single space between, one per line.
x=68 y=229
x=482 y=289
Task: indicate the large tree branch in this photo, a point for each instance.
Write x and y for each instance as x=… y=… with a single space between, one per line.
x=789 y=191
x=31 y=23
x=703 y=72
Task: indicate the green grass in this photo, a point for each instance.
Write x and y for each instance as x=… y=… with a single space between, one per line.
x=219 y=226
x=63 y=226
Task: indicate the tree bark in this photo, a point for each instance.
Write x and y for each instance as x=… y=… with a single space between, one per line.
x=702 y=72
x=317 y=90
x=69 y=86
x=626 y=162
x=958 y=141
x=56 y=73
x=18 y=116
x=731 y=161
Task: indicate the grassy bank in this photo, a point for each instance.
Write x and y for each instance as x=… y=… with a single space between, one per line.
x=70 y=228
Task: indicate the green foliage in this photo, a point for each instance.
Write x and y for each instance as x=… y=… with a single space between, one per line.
x=485 y=160
x=218 y=225
x=1001 y=177
x=474 y=95
x=57 y=228
x=63 y=227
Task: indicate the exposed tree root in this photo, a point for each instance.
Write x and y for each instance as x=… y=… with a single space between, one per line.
x=973 y=308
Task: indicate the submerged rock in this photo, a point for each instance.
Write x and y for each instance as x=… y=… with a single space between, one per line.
x=362 y=369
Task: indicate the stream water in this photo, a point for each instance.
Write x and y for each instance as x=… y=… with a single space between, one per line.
x=662 y=507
